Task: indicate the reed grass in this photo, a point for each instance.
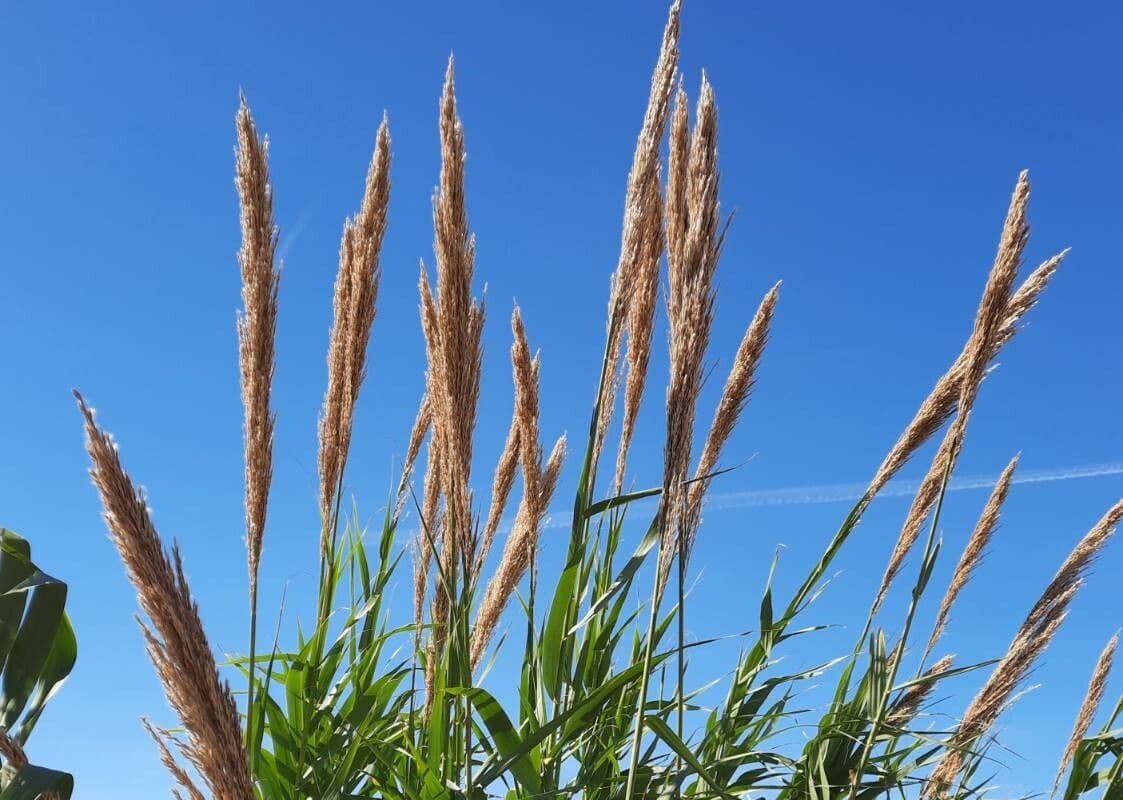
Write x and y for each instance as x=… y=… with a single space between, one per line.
x=974 y=551
x=257 y=328
x=174 y=636
x=357 y=706
x=1092 y=699
x=637 y=238
x=980 y=349
x=1031 y=640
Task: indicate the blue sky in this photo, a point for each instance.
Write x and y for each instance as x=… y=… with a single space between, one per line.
x=869 y=149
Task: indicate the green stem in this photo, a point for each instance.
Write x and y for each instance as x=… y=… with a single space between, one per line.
x=251 y=740
x=468 y=746
x=681 y=642
x=413 y=698
x=328 y=534
x=327 y=557
x=645 y=675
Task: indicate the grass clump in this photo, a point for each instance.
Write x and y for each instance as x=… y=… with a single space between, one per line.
x=361 y=707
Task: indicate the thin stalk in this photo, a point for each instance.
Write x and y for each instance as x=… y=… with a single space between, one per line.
x=327 y=560
x=531 y=632
x=681 y=644
x=415 y=664
x=323 y=611
x=468 y=741
x=250 y=738
x=645 y=677
x=413 y=698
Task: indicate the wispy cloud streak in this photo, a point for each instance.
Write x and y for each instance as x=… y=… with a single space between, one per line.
x=850 y=492
x=842 y=492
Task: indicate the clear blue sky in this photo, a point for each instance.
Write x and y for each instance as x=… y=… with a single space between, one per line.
x=869 y=148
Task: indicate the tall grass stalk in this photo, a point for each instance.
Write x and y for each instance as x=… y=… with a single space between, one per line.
x=256 y=332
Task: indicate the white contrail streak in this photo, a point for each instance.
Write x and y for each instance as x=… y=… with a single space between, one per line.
x=837 y=493
x=850 y=492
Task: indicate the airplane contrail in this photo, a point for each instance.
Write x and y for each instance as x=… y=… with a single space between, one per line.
x=836 y=493
x=850 y=492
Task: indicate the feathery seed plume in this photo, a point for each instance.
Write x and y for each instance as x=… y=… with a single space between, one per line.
x=738 y=385
x=690 y=305
x=519 y=549
x=455 y=322
x=941 y=402
x=992 y=312
x=994 y=697
x=1078 y=562
x=526 y=413
x=676 y=213
x=910 y=701
x=518 y=552
x=177 y=646
x=1088 y=708
x=434 y=383
x=1031 y=640
x=427 y=536
x=435 y=468
x=417 y=434
x=974 y=551
x=641 y=320
x=161 y=737
x=256 y=325
x=452 y=321
x=501 y=485
x=635 y=231
x=509 y=459
x=356 y=294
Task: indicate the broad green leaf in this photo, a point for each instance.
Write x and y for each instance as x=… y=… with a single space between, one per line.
x=31 y=782
x=524 y=763
x=32 y=644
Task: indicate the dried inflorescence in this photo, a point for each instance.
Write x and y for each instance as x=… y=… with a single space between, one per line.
x=525 y=368
x=501 y=484
x=693 y=246
x=452 y=321
x=941 y=403
x=974 y=551
x=738 y=386
x=1091 y=703
x=428 y=535
x=641 y=319
x=539 y=483
x=909 y=703
x=638 y=238
x=518 y=554
x=354 y=305
x=161 y=736
x=256 y=325
x=177 y=644
x=417 y=434
x=1031 y=640
x=687 y=225
x=994 y=310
